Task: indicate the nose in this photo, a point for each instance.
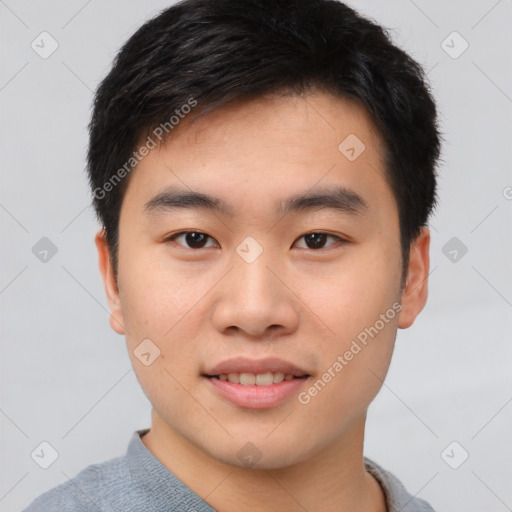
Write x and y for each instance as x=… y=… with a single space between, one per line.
x=254 y=298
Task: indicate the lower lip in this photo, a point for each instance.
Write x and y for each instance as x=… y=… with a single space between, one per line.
x=257 y=397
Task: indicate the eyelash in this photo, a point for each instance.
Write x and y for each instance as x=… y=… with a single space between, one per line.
x=329 y=235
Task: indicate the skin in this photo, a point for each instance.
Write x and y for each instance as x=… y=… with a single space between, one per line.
x=305 y=305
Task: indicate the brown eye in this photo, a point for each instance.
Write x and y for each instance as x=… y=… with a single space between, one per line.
x=318 y=240
x=193 y=239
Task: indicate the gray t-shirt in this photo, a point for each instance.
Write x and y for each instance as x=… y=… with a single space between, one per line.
x=139 y=482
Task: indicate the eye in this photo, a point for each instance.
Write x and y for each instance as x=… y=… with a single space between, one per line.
x=193 y=239
x=199 y=240
x=317 y=240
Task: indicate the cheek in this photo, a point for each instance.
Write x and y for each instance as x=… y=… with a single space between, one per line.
x=162 y=306
x=352 y=377
x=357 y=309
x=350 y=297
x=155 y=299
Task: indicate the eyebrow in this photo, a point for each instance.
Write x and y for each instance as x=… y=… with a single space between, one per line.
x=336 y=198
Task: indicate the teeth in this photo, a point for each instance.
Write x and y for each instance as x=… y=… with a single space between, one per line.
x=234 y=378
x=264 y=379
x=278 y=377
x=260 y=379
x=247 y=379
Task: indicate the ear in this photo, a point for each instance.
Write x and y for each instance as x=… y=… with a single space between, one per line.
x=111 y=288
x=415 y=292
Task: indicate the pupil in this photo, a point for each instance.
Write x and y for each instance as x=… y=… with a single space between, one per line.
x=195 y=240
x=315 y=239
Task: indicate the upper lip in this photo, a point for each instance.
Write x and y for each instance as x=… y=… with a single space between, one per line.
x=255 y=366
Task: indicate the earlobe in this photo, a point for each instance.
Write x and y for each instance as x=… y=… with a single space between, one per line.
x=109 y=282
x=415 y=292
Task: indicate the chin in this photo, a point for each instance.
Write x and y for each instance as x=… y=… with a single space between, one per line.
x=262 y=453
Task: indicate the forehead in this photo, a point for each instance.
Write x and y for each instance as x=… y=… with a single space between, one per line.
x=250 y=153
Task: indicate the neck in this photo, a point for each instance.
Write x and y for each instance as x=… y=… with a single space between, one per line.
x=334 y=479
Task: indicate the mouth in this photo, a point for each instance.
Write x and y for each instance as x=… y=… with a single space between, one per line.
x=255 y=384
x=260 y=372
x=259 y=379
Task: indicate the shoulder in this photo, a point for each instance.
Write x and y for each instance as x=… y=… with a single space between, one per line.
x=88 y=491
x=397 y=497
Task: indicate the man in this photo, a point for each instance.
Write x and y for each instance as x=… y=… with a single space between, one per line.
x=264 y=172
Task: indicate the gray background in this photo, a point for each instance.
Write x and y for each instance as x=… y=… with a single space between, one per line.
x=65 y=376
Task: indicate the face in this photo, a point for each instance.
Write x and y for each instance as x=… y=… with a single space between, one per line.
x=286 y=266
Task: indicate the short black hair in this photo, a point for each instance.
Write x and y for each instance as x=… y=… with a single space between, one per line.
x=208 y=53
